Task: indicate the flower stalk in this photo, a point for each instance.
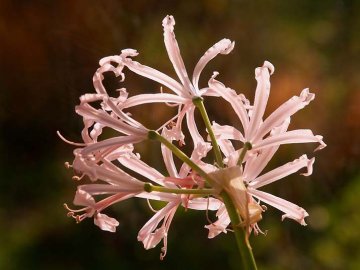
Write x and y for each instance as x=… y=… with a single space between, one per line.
x=153 y=135
x=199 y=103
x=241 y=236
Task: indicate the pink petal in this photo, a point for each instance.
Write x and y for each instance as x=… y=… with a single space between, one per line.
x=293 y=136
x=236 y=101
x=115 y=141
x=283 y=171
x=145 y=71
x=105 y=119
x=204 y=204
x=133 y=162
x=173 y=51
x=149 y=234
x=83 y=198
x=220 y=224
x=262 y=75
x=227 y=132
x=100 y=189
x=256 y=164
x=291 y=210
x=105 y=223
x=153 y=98
x=284 y=111
x=168 y=156
x=224 y=46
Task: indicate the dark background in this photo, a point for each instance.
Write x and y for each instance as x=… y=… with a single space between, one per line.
x=49 y=51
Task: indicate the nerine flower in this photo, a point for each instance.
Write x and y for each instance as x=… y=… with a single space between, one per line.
x=256 y=130
x=265 y=137
x=183 y=91
x=111 y=163
x=119 y=185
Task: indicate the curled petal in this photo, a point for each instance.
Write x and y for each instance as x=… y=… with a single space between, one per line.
x=283 y=171
x=83 y=198
x=262 y=93
x=224 y=46
x=153 y=98
x=168 y=155
x=235 y=100
x=293 y=136
x=255 y=164
x=220 y=225
x=151 y=235
x=116 y=141
x=173 y=51
x=100 y=116
x=287 y=109
x=227 y=132
x=105 y=223
x=291 y=210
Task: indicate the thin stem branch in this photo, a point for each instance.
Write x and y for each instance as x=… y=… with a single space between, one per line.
x=199 y=103
x=153 y=135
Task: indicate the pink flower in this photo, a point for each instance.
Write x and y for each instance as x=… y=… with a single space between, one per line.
x=242 y=182
x=257 y=131
x=183 y=91
x=111 y=163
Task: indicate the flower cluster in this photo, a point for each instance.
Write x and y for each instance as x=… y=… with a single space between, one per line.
x=116 y=172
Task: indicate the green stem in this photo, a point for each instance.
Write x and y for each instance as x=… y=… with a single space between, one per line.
x=247 y=146
x=199 y=103
x=150 y=188
x=153 y=135
x=247 y=256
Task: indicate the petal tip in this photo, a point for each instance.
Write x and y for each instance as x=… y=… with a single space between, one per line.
x=269 y=66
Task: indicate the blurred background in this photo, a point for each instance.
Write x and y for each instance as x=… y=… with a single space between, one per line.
x=49 y=51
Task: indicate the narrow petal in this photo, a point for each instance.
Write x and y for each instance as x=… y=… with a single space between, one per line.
x=224 y=46
x=118 y=178
x=133 y=162
x=256 y=164
x=235 y=100
x=204 y=204
x=287 y=109
x=153 y=98
x=101 y=189
x=262 y=75
x=173 y=51
x=291 y=210
x=227 y=132
x=145 y=71
x=226 y=147
x=283 y=171
x=220 y=225
x=149 y=234
x=191 y=124
x=105 y=119
x=118 y=141
x=293 y=136
x=168 y=156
